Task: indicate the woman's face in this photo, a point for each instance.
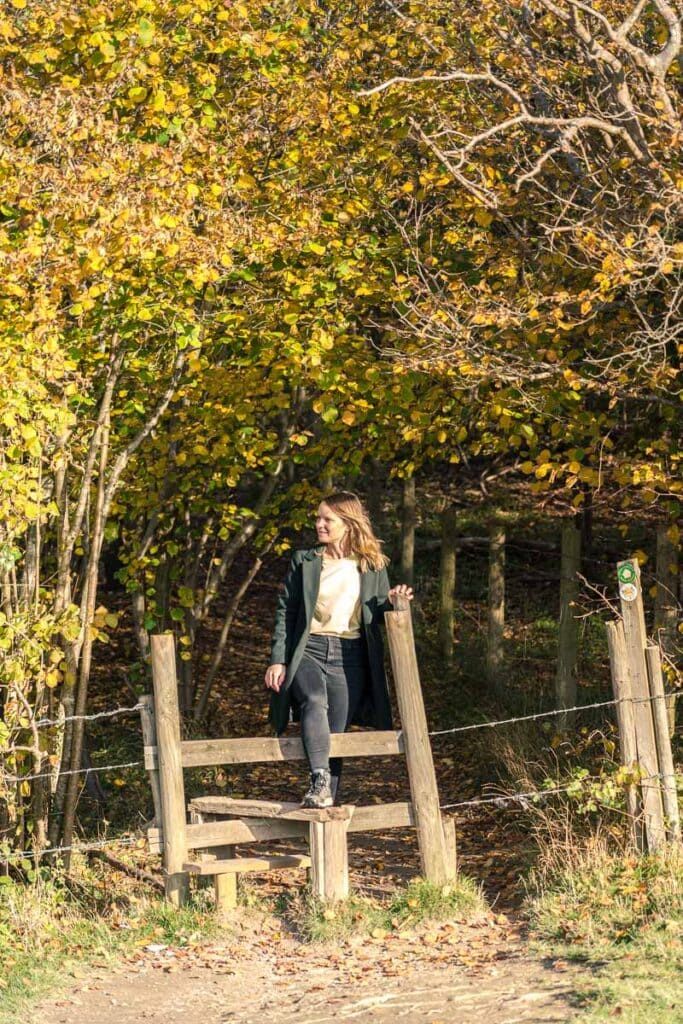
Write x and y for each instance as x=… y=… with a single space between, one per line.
x=329 y=526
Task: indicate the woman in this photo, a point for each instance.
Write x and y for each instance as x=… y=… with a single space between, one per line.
x=327 y=657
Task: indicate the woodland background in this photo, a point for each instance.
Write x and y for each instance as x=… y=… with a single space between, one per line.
x=255 y=250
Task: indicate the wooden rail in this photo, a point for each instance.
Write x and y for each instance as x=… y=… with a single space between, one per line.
x=250 y=750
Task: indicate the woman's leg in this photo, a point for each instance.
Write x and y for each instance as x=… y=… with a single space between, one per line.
x=346 y=683
x=309 y=687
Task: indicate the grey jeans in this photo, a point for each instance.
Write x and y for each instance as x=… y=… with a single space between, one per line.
x=329 y=685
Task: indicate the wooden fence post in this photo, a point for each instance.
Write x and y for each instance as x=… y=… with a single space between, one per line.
x=408 y=516
x=633 y=616
x=447 y=582
x=423 y=788
x=661 y=724
x=167 y=716
x=496 y=606
x=568 y=640
x=149 y=738
x=621 y=687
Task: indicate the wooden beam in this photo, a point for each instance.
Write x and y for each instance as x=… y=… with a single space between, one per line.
x=635 y=637
x=249 y=750
x=149 y=738
x=170 y=767
x=373 y=818
x=240 y=865
x=621 y=687
x=661 y=724
x=423 y=785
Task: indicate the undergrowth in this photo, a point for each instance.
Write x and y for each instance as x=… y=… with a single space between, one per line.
x=419 y=902
x=53 y=926
x=598 y=901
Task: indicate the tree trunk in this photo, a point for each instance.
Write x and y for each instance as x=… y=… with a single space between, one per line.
x=496 y=607
x=447 y=582
x=408 y=517
x=666 y=605
x=565 y=682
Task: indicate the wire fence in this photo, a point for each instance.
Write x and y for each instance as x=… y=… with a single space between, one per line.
x=521 y=799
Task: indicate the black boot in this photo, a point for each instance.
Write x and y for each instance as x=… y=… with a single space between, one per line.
x=319 y=793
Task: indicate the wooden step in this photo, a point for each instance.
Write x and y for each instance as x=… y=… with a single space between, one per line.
x=268 y=809
x=237 y=865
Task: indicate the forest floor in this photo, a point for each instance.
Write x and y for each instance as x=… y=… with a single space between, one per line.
x=255 y=971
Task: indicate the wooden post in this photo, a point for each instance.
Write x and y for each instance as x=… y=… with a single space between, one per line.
x=567 y=655
x=170 y=766
x=423 y=788
x=408 y=516
x=149 y=738
x=661 y=724
x=496 y=606
x=666 y=604
x=447 y=583
x=633 y=616
x=329 y=859
x=621 y=687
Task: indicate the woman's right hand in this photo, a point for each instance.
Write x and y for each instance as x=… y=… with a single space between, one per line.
x=275 y=677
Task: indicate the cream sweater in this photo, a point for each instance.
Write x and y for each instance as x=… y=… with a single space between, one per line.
x=337 y=610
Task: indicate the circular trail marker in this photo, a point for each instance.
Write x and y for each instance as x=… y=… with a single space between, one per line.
x=628 y=591
x=626 y=573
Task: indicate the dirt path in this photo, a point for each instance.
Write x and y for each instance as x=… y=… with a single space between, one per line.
x=258 y=975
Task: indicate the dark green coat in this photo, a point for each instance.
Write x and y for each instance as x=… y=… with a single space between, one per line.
x=293 y=618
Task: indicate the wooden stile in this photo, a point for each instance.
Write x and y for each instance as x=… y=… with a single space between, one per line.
x=423 y=787
x=663 y=739
x=170 y=766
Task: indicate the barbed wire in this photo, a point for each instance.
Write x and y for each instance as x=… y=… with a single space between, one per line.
x=544 y=714
x=87 y=718
x=73 y=771
x=78 y=847
x=524 y=798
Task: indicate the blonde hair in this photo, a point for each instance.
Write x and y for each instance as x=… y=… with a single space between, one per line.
x=359 y=539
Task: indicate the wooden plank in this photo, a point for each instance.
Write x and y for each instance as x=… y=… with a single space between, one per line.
x=240 y=865
x=373 y=818
x=170 y=766
x=267 y=809
x=621 y=687
x=423 y=786
x=635 y=637
x=663 y=739
x=254 y=749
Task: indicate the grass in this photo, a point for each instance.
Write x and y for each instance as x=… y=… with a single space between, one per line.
x=622 y=916
x=53 y=927
x=418 y=903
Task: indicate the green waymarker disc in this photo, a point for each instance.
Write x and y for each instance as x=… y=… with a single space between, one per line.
x=626 y=573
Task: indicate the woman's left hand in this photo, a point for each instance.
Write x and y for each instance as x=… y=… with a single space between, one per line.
x=403 y=589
